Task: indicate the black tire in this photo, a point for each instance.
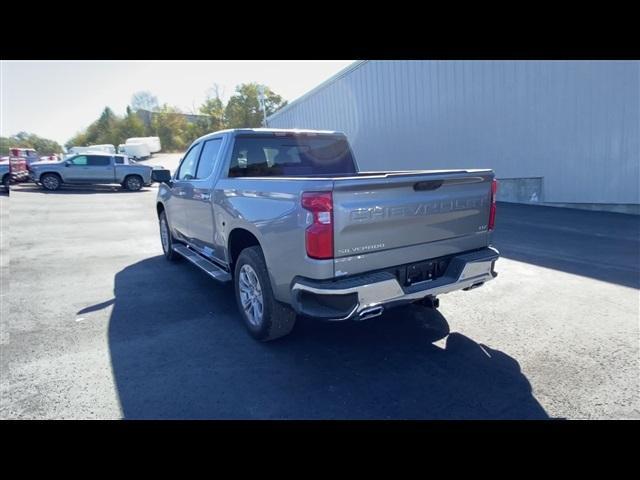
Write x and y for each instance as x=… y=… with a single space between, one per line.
x=51 y=181
x=6 y=181
x=133 y=183
x=167 y=249
x=277 y=319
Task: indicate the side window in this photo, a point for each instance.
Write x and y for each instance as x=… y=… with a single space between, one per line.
x=80 y=160
x=188 y=166
x=208 y=158
x=96 y=161
x=119 y=160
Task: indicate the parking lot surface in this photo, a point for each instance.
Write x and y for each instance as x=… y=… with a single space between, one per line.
x=100 y=325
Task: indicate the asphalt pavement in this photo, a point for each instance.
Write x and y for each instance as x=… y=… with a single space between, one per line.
x=97 y=324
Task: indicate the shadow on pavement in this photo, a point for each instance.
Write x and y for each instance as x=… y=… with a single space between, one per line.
x=600 y=245
x=179 y=350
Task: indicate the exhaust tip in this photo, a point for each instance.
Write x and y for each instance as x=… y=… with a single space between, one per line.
x=475 y=285
x=370 y=312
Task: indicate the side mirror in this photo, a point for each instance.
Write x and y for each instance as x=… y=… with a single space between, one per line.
x=67 y=163
x=161 y=176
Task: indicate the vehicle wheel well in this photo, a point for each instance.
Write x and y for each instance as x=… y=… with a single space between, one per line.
x=51 y=173
x=239 y=239
x=124 y=180
x=159 y=208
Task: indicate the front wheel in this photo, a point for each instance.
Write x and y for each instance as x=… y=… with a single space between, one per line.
x=50 y=181
x=265 y=317
x=6 y=181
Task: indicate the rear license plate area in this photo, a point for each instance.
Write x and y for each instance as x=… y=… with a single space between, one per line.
x=424 y=271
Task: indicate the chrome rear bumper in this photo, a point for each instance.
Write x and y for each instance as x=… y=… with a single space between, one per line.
x=366 y=296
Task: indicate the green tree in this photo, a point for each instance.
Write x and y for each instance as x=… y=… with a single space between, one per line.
x=243 y=109
x=129 y=126
x=171 y=126
x=200 y=126
x=5 y=145
x=107 y=128
x=43 y=146
x=214 y=108
x=79 y=139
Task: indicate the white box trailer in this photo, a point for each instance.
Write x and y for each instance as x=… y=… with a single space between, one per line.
x=106 y=148
x=137 y=151
x=152 y=142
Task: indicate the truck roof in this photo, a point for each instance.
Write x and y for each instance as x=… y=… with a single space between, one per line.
x=262 y=131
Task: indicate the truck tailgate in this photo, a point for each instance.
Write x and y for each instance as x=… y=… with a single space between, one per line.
x=400 y=217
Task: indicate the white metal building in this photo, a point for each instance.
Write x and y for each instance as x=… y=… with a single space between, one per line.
x=561 y=133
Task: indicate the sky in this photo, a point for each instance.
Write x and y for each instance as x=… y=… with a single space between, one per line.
x=57 y=99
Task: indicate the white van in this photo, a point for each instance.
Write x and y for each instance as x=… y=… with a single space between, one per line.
x=152 y=142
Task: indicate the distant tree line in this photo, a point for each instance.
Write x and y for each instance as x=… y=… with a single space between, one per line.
x=173 y=127
x=43 y=146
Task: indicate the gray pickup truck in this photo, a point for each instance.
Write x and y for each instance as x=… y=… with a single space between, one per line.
x=288 y=218
x=91 y=168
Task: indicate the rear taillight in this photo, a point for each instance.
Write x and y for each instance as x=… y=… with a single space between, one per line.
x=319 y=235
x=492 y=211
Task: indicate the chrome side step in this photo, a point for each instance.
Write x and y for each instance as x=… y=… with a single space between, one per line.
x=202 y=263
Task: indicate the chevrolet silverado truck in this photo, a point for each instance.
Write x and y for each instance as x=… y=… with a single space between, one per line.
x=91 y=169
x=287 y=216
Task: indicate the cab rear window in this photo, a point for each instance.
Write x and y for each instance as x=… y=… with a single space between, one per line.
x=290 y=156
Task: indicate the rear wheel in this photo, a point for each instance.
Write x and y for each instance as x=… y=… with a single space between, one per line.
x=265 y=318
x=133 y=183
x=167 y=239
x=50 y=181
